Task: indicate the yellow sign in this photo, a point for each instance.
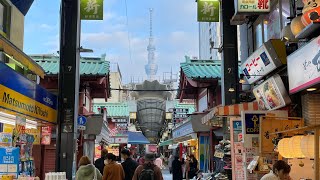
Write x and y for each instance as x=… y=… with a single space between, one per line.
x=36 y=134
x=8 y=128
x=15 y=101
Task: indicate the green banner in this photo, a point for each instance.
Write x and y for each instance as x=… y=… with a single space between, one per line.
x=208 y=10
x=91 y=9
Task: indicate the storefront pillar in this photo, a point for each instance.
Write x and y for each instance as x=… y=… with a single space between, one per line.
x=68 y=87
x=229 y=56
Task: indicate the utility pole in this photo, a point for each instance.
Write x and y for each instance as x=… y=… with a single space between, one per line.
x=68 y=87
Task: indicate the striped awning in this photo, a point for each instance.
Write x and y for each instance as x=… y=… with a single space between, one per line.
x=231 y=110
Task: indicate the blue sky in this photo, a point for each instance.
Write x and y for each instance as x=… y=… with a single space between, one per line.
x=175 y=31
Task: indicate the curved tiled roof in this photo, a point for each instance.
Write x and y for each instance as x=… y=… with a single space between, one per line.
x=88 y=66
x=202 y=69
x=113 y=109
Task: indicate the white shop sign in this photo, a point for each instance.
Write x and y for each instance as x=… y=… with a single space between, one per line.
x=263 y=61
x=304 y=67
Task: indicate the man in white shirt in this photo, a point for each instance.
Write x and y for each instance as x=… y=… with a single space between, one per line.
x=280 y=171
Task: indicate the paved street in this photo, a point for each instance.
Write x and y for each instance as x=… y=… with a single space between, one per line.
x=166 y=174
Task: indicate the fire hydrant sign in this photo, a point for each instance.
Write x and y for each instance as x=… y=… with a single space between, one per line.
x=208 y=10
x=91 y=9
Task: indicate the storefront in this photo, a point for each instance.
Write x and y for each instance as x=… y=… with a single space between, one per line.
x=25 y=107
x=193 y=137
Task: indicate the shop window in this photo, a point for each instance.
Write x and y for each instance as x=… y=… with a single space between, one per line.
x=258 y=39
x=4 y=17
x=271 y=24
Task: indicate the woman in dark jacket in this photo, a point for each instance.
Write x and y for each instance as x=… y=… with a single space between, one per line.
x=176 y=169
x=193 y=166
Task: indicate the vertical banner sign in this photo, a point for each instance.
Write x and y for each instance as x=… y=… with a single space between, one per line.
x=208 y=10
x=46 y=135
x=9 y=161
x=19 y=135
x=91 y=9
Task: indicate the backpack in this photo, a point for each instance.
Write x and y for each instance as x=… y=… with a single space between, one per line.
x=147 y=173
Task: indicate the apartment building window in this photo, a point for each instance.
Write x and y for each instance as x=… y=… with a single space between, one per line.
x=4 y=17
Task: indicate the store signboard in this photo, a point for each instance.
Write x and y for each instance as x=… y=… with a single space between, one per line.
x=9 y=161
x=114 y=151
x=183 y=130
x=304 y=67
x=263 y=61
x=91 y=9
x=253 y=6
x=121 y=140
x=19 y=94
x=271 y=94
x=208 y=10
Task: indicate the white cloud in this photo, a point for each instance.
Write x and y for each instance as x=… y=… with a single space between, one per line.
x=47 y=27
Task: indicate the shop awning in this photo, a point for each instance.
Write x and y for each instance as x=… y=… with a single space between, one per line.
x=14 y=53
x=166 y=143
x=231 y=110
x=137 y=138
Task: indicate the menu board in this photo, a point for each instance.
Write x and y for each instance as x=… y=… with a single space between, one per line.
x=271 y=94
x=9 y=161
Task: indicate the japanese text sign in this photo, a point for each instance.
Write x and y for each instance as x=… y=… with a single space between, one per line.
x=9 y=161
x=304 y=67
x=253 y=6
x=208 y=10
x=260 y=63
x=91 y=9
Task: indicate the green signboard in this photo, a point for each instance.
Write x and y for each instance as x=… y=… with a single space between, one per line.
x=208 y=10
x=91 y=9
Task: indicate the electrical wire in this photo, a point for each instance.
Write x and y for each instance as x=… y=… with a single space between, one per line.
x=127 y=23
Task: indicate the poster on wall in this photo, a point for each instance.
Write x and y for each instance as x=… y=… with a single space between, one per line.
x=5 y=139
x=9 y=161
x=19 y=135
x=304 y=67
x=36 y=133
x=271 y=94
x=237 y=146
x=46 y=135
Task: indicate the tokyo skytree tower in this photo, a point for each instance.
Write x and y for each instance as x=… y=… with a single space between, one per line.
x=151 y=68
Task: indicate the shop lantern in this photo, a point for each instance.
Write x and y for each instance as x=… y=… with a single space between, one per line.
x=307 y=146
x=284 y=148
x=295 y=146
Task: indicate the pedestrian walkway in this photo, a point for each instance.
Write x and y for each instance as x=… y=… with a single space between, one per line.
x=166 y=174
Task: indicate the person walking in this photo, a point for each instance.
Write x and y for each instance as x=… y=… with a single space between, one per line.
x=280 y=171
x=99 y=163
x=148 y=171
x=158 y=162
x=112 y=170
x=193 y=166
x=87 y=171
x=176 y=169
x=170 y=163
x=187 y=167
x=129 y=165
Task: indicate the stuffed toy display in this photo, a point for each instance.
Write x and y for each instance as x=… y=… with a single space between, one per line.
x=311 y=12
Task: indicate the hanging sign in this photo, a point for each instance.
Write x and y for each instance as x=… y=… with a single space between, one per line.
x=91 y=9
x=9 y=161
x=46 y=135
x=208 y=10
x=5 y=139
x=271 y=94
x=263 y=61
x=304 y=67
x=36 y=133
x=253 y=6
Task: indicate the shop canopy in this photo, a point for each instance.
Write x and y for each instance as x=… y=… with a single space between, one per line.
x=231 y=110
x=15 y=54
x=137 y=138
x=166 y=143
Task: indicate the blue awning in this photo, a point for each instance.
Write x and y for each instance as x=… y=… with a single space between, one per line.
x=137 y=138
x=23 y=5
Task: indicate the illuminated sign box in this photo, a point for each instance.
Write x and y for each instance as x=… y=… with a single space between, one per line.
x=304 y=67
x=271 y=94
x=268 y=57
x=252 y=6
